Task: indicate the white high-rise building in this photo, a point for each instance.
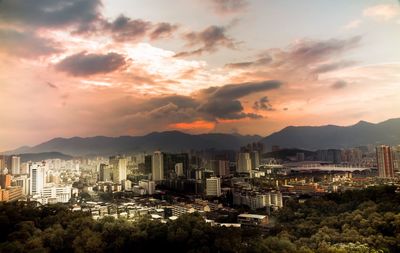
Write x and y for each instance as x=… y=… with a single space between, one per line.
x=243 y=163
x=37 y=173
x=213 y=186
x=157 y=166
x=15 y=165
x=119 y=167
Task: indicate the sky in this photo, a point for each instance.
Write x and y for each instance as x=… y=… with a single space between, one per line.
x=113 y=67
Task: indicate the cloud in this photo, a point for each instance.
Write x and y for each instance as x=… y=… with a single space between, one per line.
x=162 y=30
x=235 y=91
x=26 y=44
x=340 y=84
x=126 y=29
x=309 y=51
x=229 y=6
x=262 y=104
x=84 y=64
x=49 y=13
x=353 y=24
x=382 y=12
x=206 y=105
x=51 y=85
x=209 y=40
x=262 y=61
x=327 y=67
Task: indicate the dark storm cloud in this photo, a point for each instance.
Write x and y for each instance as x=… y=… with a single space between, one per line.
x=262 y=104
x=49 y=13
x=25 y=44
x=209 y=40
x=229 y=6
x=83 y=64
x=340 y=84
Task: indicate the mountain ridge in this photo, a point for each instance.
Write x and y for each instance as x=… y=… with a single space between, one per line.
x=304 y=137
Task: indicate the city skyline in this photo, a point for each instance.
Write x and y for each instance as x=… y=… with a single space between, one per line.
x=87 y=68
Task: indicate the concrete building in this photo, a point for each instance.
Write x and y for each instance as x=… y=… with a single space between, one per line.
x=243 y=163
x=213 y=186
x=255 y=159
x=179 y=169
x=384 y=158
x=105 y=173
x=119 y=167
x=148 y=186
x=157 y=166
x=23 y=181
x=37 y=173
x=57 y=194
x=15 y=165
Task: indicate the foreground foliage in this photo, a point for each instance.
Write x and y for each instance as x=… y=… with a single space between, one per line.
x=357 y=221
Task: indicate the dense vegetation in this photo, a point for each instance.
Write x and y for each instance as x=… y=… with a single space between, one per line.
x=357 y=221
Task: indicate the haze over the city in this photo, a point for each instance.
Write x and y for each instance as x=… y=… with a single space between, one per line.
x=87 y=68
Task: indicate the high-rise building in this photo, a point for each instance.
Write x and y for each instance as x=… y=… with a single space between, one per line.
x=384 y=158
x=213 y=186
x=15 y=165
x=37 y=173
x=157 y=166
x=179 y=169
x=105 y=173
x=396 y=158
x=219 y=167
x=119 y=167
x=243 y=163
x=255 y=159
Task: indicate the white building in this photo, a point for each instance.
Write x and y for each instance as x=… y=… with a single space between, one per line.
x=213 y=186
x=37 y=177
x=57 y=194
x=157 y=166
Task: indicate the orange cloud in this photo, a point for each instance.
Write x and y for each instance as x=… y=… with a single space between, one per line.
x=195 y=125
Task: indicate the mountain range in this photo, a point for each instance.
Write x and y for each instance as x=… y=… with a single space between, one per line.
x=304 y=137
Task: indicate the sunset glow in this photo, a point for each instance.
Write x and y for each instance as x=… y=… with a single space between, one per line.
x=127 y=68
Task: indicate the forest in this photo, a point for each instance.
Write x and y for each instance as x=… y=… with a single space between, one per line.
x=353 y=221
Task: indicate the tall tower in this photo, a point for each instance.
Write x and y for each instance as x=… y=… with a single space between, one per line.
x=384 y=158
x=119 y=166
x=37 y=176
x=243 y=163
x=15 y=165
x=157 y=166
